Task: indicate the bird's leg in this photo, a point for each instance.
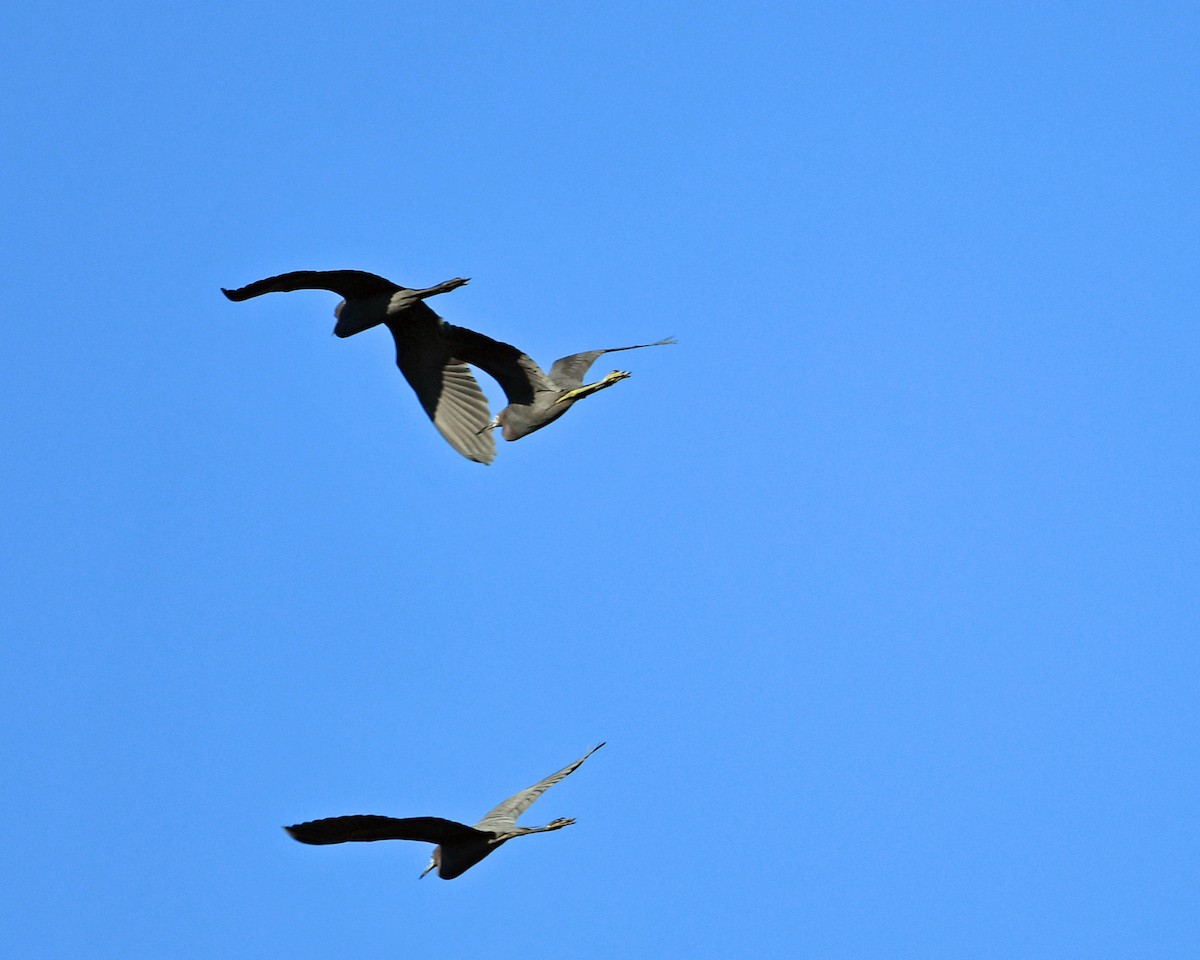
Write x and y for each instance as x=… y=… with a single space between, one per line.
x=589 y=388
x=444 y=287
x=523 y=831
x=405 y=298
x=554 y=825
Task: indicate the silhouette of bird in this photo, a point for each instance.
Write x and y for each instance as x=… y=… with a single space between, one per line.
x=427 y=348
x=536 y=398
x=459 y=847
x=433 y=356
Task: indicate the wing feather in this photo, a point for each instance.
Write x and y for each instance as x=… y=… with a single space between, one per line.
x=502 y=816
x=346 y=283
x=568 y=372
x=449 y=394
x=366 y=827
x=519 y=377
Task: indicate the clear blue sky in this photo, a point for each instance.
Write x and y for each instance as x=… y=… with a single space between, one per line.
x=882 y=585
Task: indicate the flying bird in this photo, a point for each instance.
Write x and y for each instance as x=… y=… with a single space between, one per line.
x=434 y=355
x=459 y=847
x=536 y=398
x=427 y=348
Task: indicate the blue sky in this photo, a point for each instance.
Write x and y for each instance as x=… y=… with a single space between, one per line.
x=881 y=585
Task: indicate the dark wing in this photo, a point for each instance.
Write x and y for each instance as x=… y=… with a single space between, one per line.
x=517 y=374
x=348 y=284
x=502 y=816
x=368 y=827
x=568 y=373
x=447 y=390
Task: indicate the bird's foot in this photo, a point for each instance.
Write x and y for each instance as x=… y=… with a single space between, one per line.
x=560 y=823
x=615 y=377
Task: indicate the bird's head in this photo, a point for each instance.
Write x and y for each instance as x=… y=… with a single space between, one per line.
x=491 y=424
x=434 y=861
x=519 y=420
x=513 y=422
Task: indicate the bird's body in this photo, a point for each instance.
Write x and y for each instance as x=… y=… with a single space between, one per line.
x=426 y=346
x=367 y=299
x=434 y=355
x=459 y=847
x=535 y=398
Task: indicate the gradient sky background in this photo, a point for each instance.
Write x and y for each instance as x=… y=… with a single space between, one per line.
x=881 y=585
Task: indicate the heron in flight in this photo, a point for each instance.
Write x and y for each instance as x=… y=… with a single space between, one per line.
x=459 y=847
x=535 y=398
x=426 y=346
x=433 y=356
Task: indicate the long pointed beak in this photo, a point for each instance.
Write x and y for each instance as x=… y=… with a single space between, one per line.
x=491 y=426
x=426 y=870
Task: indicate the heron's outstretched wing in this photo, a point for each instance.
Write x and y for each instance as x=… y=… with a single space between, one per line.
x=447 y=390
x=348 y=284
x=568 y=373
x=504 y=815
x=368 y=827
x=517 y=374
